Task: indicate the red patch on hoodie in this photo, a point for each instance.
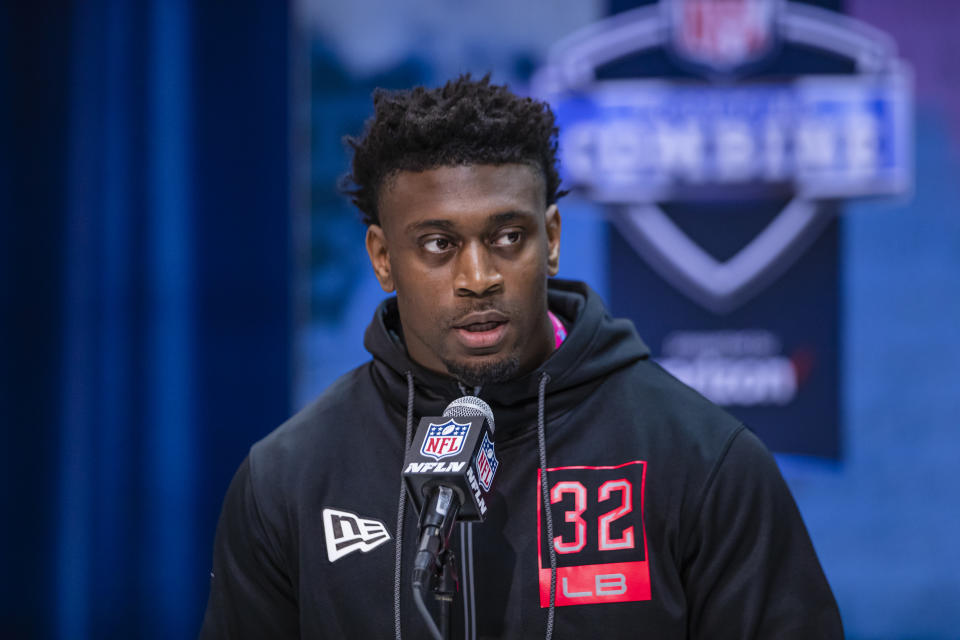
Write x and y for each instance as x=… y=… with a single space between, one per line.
x=599 y=535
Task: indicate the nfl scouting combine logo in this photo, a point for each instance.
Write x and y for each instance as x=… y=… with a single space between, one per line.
x=640 y=144
x=444 y=440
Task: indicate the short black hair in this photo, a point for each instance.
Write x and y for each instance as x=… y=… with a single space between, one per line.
x=464 y=122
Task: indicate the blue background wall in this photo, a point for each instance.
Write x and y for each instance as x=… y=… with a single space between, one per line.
x=177 y=278
x=146 y=322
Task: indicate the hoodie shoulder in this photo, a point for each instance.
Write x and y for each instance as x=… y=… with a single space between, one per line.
x=673 y=400
x=676 y=420
x=305 y=438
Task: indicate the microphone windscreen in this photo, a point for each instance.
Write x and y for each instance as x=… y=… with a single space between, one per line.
x=470 y=406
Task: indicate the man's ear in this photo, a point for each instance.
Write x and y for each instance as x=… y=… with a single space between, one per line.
x=553 y=239
x=380 y=257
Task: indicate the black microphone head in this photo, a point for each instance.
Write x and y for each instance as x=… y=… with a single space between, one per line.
x=470 y=406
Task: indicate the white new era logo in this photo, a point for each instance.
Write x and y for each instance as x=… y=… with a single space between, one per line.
x=347 y=532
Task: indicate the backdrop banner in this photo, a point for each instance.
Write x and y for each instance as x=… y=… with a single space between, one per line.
x=721 y=140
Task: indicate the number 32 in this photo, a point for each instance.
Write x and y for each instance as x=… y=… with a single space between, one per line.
x=574 y=516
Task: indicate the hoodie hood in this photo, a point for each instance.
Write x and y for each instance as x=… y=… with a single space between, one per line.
x=596 y=345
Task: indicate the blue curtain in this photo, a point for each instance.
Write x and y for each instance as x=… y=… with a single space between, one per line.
x=147 y=324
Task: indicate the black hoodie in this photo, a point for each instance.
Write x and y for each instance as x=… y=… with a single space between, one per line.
x=671 y=520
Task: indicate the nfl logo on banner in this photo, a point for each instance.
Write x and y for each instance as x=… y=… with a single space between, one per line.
x=444 y=440
x=722 y=35
x=486 y=463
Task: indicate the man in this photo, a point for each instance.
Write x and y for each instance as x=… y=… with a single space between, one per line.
x=669 y=519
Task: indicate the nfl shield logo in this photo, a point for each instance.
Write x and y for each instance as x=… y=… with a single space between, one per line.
x=722 y=35
x=486 y=463
x=444 y=440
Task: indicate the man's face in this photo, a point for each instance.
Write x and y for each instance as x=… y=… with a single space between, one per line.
x=468 y=250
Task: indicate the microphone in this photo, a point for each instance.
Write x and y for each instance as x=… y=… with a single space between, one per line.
x=448 y=472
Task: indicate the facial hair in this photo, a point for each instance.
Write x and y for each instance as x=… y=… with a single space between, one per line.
x=475 y=375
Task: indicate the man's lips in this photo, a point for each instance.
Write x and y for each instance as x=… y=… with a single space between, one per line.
x=481 y=330
x=480 y=318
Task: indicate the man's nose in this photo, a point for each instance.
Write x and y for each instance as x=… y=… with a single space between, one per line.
x=477 y=273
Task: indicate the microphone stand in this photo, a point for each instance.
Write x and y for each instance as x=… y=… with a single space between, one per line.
x=434 y=565
x=443 y=583
x=445 y=589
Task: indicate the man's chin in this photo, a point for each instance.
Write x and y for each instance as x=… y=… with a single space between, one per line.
x=481 y=371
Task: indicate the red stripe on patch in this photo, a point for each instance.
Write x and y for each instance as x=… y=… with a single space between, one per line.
x=597 y=583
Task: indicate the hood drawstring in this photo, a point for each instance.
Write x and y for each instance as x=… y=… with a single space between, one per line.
x=545 y=496
x=401 y=512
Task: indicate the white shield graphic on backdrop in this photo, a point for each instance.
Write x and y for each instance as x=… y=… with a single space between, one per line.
x=721 y=286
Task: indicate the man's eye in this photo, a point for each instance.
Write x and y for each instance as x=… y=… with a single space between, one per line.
x=508 y=238
x=437 y=245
